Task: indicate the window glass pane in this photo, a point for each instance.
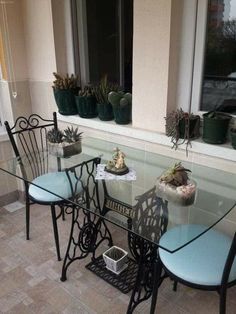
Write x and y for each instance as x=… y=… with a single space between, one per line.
x=108 y=40
x=103 y=39
x=219 y=80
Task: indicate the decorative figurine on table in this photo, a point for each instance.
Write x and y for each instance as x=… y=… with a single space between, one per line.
x=117 y=165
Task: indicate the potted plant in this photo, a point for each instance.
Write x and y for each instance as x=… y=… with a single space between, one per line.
x=115 y=259
x=64 y=89
x=215 y=127
x=122 y=106
x=105 y=111
x=64 y=144
x=233 y=137
x=86 y=103
x=182 y=127
x=174 y=185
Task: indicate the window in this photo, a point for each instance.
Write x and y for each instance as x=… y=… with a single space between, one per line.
x=104 y=34
x=215 y=57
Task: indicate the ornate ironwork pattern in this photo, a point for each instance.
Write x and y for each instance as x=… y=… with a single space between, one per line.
x=88 y=230
x=150 y=220
x=28 y=138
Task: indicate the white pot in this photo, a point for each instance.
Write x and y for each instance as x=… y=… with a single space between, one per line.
x=115 y=259
x=183 y=195
x=64 y=150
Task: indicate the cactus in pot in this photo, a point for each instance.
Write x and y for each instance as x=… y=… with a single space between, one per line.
x=122 y=106
x=101 y=90
x=65 y=88
x=86 y=102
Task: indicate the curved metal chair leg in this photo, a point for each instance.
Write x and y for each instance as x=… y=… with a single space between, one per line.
x=175 y=285
x=27 y=216
x=223 y=301
x=63 y=213
x=55 y=229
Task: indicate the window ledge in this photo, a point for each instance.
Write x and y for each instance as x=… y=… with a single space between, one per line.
x=224 y=151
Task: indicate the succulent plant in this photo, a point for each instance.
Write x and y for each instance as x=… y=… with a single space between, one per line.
x=102 y=90
x=87 y=91
x=65 y=82
x=173 y=121
x=176 y=175
x=72 y=135
x=55 y=136
x=120 y=99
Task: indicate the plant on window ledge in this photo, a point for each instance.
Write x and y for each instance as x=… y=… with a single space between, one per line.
x=182 y=127
x=64 y=144
x=105 y=111
x=215 y=127
x=86 y=102
x=65 y=88
x=122 y=106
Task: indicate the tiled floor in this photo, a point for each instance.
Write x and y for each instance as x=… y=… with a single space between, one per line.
x=30 y=276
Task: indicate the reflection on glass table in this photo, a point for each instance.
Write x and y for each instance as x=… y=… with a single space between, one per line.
x=134 y=205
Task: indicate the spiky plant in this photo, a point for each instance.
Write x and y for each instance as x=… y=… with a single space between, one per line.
x=176 y=175
x=55 y=136
x=87 y=91
x=173 y=121
x=72 y=135
x=102 y=90
x=65 y=82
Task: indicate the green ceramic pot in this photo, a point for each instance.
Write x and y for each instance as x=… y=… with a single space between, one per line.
x=122 y=114
x=105 y=112
x=65 y=100
x=86 y=106
x=233 y=137
x=215 y=127
x=194 y=127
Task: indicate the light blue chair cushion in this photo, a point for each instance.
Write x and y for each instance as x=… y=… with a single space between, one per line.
x=55 y=182
x=200 y=262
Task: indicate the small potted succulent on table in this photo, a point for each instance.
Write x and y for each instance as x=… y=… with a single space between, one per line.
x=65 y=88
x=122 y=106
x=182 y=127
x=215 y=127
x=64 y=144
x=174 y=185
x=86 y=103
x=105 y=111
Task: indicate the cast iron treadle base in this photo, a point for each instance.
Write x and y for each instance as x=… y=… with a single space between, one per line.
x=124 y=282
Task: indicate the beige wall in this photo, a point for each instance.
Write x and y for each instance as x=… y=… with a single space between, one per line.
x=38 y=31
x=151 y=48
x=11 y=24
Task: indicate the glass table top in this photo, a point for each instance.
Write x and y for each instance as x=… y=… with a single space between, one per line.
x=215 y=189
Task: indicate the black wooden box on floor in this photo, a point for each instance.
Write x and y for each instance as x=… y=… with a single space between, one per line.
x=124 y=282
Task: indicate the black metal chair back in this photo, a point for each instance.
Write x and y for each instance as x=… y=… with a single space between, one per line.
x=28 y=139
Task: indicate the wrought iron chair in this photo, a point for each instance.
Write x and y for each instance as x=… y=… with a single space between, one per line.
x=207 y=263
x=28 y=139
